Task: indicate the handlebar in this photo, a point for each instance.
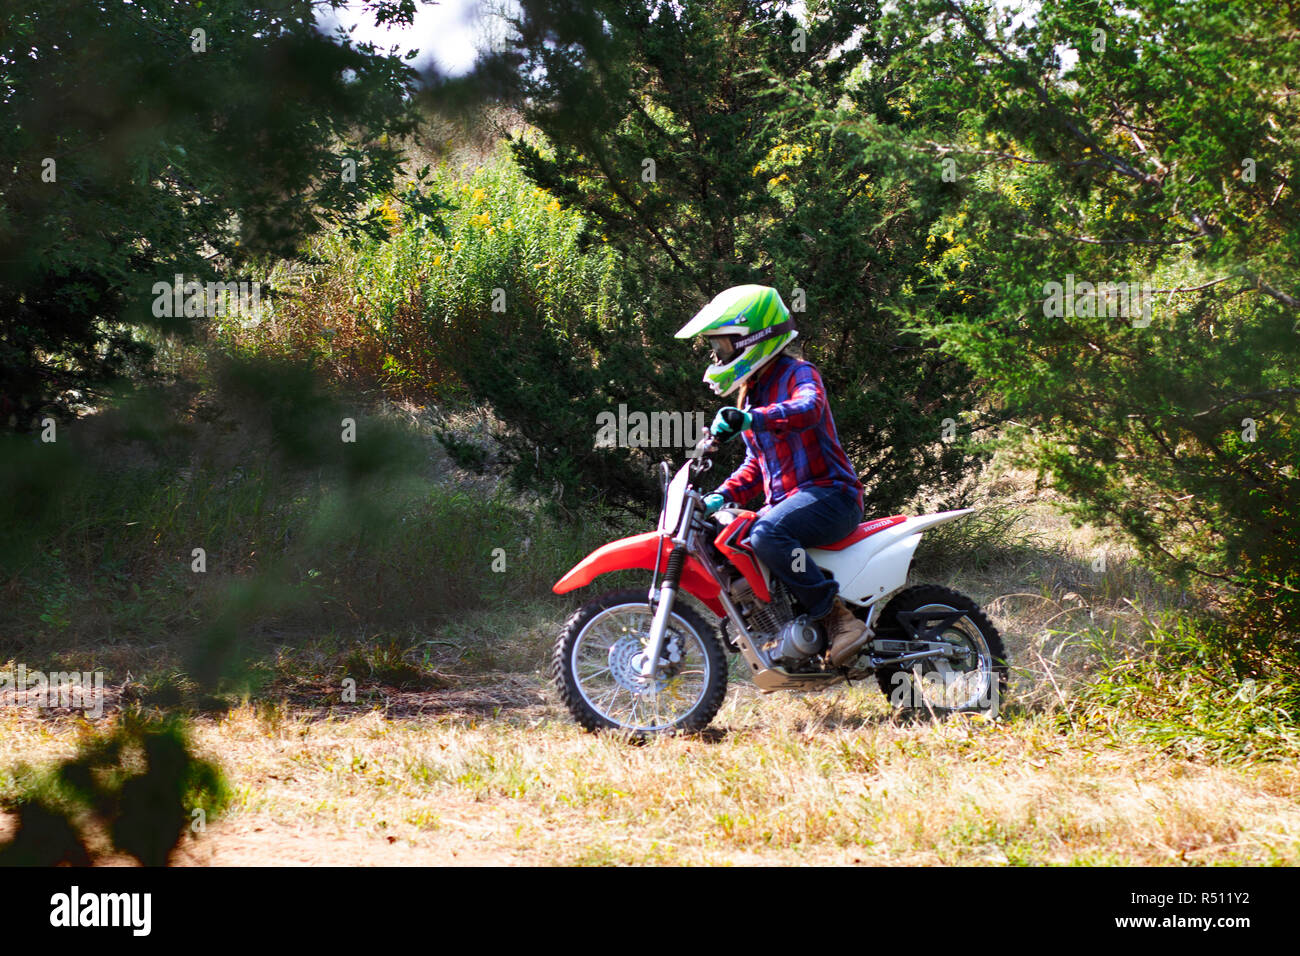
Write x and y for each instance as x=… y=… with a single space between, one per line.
x=705 y=446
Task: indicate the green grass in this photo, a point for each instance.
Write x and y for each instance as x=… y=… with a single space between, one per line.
x=1190 y=690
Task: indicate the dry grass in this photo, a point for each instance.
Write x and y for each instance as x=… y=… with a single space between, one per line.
x=824 y=779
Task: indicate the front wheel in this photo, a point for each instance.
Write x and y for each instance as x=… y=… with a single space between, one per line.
x=596 y=668
x=973 y=678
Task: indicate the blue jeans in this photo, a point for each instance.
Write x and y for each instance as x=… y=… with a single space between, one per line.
x=809 y=518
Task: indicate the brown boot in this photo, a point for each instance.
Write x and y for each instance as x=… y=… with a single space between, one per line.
x=845 y=633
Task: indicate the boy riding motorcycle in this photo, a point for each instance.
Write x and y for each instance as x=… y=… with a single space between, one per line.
x=814 y=496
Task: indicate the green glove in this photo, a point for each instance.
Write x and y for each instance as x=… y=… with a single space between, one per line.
x=730 y=422
x=712 y=503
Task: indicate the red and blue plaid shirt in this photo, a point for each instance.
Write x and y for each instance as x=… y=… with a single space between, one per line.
x=792 y=442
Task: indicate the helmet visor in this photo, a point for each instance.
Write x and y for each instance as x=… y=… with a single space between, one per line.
x=724 y=347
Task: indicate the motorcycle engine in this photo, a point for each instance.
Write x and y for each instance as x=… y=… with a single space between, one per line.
x=797 y=641
x=789 y=641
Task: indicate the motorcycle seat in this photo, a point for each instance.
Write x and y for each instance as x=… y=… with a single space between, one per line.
x=864 y=530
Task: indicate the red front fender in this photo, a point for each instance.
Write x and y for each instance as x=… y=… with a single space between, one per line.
x=638 y=551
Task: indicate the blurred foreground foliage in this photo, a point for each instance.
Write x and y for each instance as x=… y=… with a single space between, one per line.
x=302 y=531
x=135 y=788
x=147 y=140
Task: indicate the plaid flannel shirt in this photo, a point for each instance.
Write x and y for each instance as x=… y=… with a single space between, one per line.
x=791 y=443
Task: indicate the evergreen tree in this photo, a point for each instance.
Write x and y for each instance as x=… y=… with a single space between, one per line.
x=1146 y=142
x=688 y=134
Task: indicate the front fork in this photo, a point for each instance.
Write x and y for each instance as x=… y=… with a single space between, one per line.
x=668 y=591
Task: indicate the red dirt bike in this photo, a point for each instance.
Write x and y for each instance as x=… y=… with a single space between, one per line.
x=649 y=663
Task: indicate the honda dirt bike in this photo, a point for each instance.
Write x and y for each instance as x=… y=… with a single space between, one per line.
x=649 y=662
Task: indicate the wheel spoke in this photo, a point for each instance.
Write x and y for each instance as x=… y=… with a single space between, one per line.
x=607 y=700
x=615 y=712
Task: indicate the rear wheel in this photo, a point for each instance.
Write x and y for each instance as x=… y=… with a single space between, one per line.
x=973 y=678
x=596 y=668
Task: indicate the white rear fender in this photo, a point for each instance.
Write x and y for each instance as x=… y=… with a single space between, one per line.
x=923 y=523
x=884 y=573
x=878 y=565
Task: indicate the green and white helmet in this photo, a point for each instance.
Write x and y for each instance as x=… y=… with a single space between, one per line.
x=747 y=326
